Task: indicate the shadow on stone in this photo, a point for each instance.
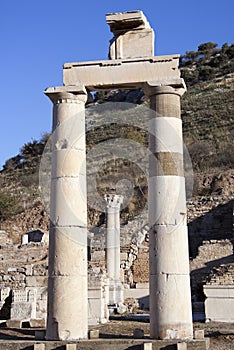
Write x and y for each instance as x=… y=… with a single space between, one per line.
x=217 y=224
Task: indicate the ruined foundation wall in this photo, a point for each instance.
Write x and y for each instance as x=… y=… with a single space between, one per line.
x=210 y=230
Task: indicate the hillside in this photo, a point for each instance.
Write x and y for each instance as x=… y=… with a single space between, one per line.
x=207 y=114
x=208 y=106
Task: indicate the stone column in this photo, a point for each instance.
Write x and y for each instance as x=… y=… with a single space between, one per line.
x=113 y=247
x=170 y=295
x=67 y=317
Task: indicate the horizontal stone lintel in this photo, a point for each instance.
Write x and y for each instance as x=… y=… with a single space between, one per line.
x=153 y=59
x=124 y=74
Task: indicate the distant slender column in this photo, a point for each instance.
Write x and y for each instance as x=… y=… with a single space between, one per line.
x=67 y=317
x=170 y=296
x=113 y=247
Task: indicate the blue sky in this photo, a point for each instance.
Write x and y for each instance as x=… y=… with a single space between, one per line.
x=37 y=37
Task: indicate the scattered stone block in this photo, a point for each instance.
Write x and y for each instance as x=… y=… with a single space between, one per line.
x=121 y=308
x=199 y=334
x=94 y=334
x=23 y=310
x=34 y=281
x=182 y=346
x=37 y=323
x=40 y=334
x=123 y=256
x=29 y=270
x=146 y=346
x=219 y=302
x=142 y=285
x=124 y=21
x=133 y=36
x=19 y=296
x=14 y=323
x=138 y=333
x=40 y=346
x=70 y=346
x=24 y=239
x=98 y=298
x=23 y=305
x=4 y=293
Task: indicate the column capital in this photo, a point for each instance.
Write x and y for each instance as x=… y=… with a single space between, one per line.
x=176 y=87
x=67 y=94
x=113 y=200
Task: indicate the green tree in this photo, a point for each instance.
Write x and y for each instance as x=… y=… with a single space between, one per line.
x=192 y=55
x=188 y=58
x=207 y=49
x=190 y=75
x=12 y=163
x=230 y=51
x=206 y=73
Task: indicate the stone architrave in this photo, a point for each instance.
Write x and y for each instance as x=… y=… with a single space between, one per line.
x=123 y=73
x=113 y=247
x=170 y=295
x=67 y=284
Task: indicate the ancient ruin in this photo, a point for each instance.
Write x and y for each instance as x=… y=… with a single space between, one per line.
x=131 y=64
x=113 y=248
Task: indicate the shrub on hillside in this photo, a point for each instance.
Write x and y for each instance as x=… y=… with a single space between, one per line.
x=9 y=205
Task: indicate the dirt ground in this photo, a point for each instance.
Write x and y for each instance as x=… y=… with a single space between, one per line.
x=221 y=334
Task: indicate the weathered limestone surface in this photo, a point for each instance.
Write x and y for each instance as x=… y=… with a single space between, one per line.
x=67 y=283
x=98 y=299
x=120 y=22
x=4 y=294
x=170 y=295
x=24 y=239
x=219 y=292
x=133 y=36
x=123 y=73
x=182 y=346
x=39 y=346
x=70 y=347
x=204 y=267
x=219 y=303
x=113 y=247
x=37 y=323
x=23 y=305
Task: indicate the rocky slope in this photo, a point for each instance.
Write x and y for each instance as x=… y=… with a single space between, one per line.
x=207 y=114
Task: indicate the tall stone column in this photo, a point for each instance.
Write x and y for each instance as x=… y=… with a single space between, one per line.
x=170 y=296
x=113 y=247
x=67 y=317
